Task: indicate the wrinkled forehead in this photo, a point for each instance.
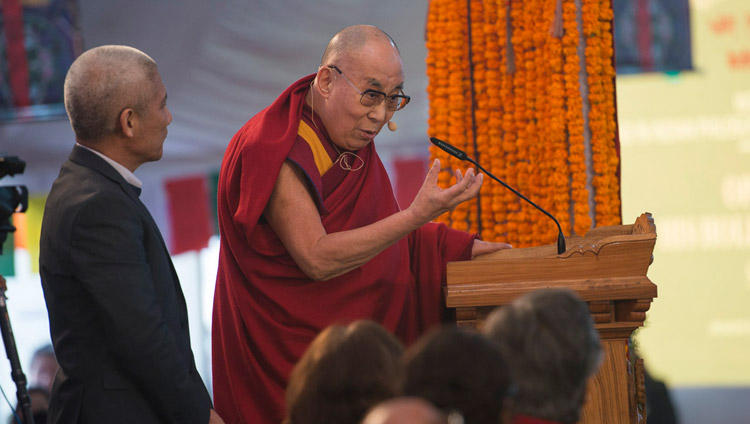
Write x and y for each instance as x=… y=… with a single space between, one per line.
x=378 y=66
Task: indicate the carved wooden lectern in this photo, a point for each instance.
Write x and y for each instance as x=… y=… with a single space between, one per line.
x=607 y=268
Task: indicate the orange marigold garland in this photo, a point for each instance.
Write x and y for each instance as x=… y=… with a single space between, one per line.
x=557 y=153
x=610 y=201
x=574 y=120
x=457 y=95
x=488 y=144
x=527 y=111
x=437 y=74
x=504 y=148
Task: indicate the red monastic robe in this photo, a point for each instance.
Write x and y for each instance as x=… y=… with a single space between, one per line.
x=266 y=310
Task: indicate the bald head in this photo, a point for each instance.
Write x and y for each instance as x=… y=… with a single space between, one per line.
x=101 y=83
x=348 y=42
x=405 y=410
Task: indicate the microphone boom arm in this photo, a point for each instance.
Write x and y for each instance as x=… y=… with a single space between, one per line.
x=460 y=154
x=560 y=235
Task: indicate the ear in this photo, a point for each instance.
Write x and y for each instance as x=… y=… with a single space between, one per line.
x=127 y=122
x=323 y=81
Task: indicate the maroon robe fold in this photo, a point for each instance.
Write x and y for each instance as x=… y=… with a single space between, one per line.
x=266 y=310
x=525 y=419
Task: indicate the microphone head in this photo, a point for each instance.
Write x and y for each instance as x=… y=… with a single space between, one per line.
x=458 y=153
x=392 y=126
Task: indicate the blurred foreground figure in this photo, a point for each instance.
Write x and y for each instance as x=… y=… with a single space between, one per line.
x=552 y=348
x=461 y=372
x=344 y=373
x=405 y=410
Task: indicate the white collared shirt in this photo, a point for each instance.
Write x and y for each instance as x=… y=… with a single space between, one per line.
x=124 y=172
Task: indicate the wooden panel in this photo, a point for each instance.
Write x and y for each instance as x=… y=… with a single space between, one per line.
x=612 y=260
x=501 y=293
x=607 y=394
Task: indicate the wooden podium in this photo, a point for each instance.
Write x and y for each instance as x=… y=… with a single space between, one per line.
x=607 y=268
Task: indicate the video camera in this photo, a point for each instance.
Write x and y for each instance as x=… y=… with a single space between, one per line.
x=12 y=198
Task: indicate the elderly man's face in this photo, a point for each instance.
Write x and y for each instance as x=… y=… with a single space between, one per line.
x=153 y=122
x=350 y=124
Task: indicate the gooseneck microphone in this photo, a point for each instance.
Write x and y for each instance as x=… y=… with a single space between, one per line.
x=461 y=155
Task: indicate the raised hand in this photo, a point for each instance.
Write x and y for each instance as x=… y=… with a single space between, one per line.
x=432 y=201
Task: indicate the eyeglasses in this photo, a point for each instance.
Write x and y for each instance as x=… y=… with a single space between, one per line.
x=372 y=98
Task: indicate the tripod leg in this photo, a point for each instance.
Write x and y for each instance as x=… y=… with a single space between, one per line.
x=24 y=401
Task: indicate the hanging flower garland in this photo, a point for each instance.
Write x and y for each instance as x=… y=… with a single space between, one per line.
x=437 y=73
x=527 y=111
x=489 y=144
x=608 y=206
x=574 y=120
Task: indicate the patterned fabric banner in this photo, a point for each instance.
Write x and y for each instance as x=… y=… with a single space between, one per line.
x=38 y=42
x=652 y=36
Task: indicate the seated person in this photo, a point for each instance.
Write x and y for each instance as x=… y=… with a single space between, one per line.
x=43 y=368
x=459 y=371
x=345 y=371
x=552 y=348
x=405 y=410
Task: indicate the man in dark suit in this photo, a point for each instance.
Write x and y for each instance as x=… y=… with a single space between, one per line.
x=117 y=314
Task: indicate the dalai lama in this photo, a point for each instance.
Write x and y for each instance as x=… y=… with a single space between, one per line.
x=311 y=233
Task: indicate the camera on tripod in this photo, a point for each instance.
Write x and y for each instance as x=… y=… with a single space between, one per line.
x=12 y=198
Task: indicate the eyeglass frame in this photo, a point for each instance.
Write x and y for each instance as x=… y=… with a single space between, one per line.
x=402 y=104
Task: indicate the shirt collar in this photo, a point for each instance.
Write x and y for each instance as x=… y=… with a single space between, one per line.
x=124 y=172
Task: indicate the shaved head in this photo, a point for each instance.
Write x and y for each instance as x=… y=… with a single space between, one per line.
x=405 y=410
x=358 y=58
x=348 y=42
x=101 y=83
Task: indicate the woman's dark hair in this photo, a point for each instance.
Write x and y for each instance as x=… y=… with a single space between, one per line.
x=345 y=371
x=458 y=370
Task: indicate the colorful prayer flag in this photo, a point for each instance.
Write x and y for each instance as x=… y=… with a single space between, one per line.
x=189 y=216
x=34 y=228
x=7 y=265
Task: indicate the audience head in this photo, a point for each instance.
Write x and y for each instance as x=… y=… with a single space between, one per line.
x=345 y=371
x=552 y=348
x=405 y=410
x=459 y=371
x=43 y=368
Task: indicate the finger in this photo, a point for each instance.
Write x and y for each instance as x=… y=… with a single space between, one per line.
x=432 y=173
x=470 y=191
x=460 y=186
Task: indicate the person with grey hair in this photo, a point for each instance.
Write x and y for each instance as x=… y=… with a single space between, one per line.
x=552 y=348
x=118 y=318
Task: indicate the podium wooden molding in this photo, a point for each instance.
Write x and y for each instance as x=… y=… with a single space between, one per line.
x=607 y=268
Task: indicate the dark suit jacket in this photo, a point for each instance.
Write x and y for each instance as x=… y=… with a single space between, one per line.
x=117 y=315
